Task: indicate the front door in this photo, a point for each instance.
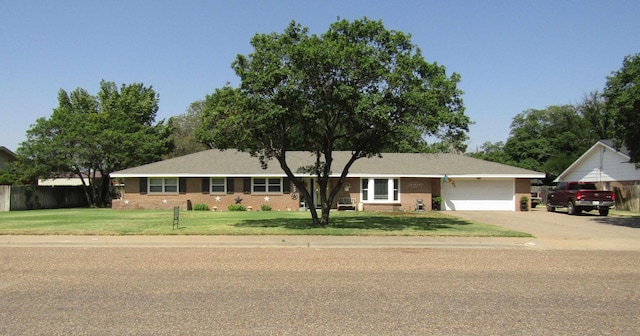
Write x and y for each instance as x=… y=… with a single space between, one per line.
x=312 y=187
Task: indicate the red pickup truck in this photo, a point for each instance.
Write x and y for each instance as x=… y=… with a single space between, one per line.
x=580 y=196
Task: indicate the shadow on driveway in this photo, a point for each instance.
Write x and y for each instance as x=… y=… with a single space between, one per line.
x=627 y=221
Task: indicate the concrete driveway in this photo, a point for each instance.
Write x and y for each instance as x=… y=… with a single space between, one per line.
x=557 y=230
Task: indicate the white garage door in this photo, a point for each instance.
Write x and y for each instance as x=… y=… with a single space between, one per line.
x=479 y=195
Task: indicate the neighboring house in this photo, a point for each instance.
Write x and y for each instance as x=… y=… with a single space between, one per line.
x=67 y=180
x=6 y=156
x=394 y=182
x=605 y=165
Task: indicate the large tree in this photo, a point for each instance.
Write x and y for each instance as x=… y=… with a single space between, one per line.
x=358 y=87
x=92 y=136
x=183 y=130
x=546 y=140
x=594 y=110
x=623 y=101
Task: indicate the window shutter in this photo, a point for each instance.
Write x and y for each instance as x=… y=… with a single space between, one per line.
x=206 y=187
x=230 y=187
x=182 y=185
x=246 y=185
x=286 y=186
x=143 y=185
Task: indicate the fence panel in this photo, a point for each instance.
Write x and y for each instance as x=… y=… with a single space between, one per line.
x=628 y=198
x=5 y=191
x=44 y=197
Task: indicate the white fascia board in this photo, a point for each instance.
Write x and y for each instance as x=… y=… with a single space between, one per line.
x=586 y=154
x=497 y=176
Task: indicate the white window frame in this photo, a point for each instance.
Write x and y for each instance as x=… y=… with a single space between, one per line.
x=368 y=192
x=224 y=185
x=163 y=185
x=269 y=185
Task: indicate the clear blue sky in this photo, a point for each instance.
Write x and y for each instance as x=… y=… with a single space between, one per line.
x=512 y=55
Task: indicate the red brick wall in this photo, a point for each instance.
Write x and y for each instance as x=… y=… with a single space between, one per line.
x=132 y=199
x=523 y=188
x=411 y=189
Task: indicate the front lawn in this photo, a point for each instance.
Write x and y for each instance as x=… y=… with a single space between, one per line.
x=151 y=222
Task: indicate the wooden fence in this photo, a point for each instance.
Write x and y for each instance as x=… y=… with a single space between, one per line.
x=41 y=197
x=628 y=198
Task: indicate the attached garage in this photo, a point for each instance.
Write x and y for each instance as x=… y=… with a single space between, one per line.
x=479 y=194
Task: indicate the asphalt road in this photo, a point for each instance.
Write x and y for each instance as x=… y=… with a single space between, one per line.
x=580 y=275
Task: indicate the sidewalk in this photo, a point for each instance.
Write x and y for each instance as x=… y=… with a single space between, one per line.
x=264 y=241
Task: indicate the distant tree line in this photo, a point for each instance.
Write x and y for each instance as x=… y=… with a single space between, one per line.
x=551 y=139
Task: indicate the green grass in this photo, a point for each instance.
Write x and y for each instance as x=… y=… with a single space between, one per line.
x=155 y=222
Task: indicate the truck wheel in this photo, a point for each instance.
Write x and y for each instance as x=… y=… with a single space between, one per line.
x=550 y=208
x=571 y=209
x=603 y=211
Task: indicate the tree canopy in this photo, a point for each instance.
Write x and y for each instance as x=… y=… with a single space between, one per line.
x=91 y=136
x=623 y=101
x=183 y=130
x=546 y=140
x=358 y=87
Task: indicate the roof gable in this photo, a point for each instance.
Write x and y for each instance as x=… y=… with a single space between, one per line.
x=601 y=163
x=234 y=163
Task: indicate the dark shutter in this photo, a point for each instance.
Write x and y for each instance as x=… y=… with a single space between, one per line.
x=143 y=185
x=182 y=185
x=246 y=185
x=286 y=185
x=230 y=187
x=206 y=187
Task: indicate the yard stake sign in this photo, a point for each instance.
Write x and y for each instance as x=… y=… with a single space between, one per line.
x=176 y=217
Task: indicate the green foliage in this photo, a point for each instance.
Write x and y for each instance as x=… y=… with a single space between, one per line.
x=265 y=207
x=92 y=136
x=236 y=207
x=358 y=87
x=183 y=130
x=200 y=207
x=623 y=101
x=547 y=140
x=594 y=110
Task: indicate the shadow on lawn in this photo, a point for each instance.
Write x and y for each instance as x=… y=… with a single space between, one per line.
x=368 y=222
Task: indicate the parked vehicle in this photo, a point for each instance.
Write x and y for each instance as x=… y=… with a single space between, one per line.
x=580 y=196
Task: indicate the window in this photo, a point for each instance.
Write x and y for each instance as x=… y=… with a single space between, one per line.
x=267 y=185
x=380 y=190
x=218 y=185
x=365 y=189
x=163 y=185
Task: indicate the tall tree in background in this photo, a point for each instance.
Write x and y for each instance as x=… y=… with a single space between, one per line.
x=358 y=87
x=593 y=109
x=547 y=140
x=183 y=130
x=92 y=136
x=623 y=101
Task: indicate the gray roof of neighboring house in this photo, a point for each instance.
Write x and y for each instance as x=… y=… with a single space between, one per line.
x=234 y=163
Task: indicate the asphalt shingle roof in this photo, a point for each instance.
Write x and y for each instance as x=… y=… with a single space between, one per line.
x=234 y=163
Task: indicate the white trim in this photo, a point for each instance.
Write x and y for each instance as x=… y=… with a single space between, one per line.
x=164 y=186
x=355 y=175
x=586 y=154
x=390 y=190
x=266 y=185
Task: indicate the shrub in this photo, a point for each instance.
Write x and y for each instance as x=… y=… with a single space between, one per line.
x=200 y=207
x=265 y=207
x=237 y=207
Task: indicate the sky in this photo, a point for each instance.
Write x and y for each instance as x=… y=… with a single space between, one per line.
x=511 y=55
